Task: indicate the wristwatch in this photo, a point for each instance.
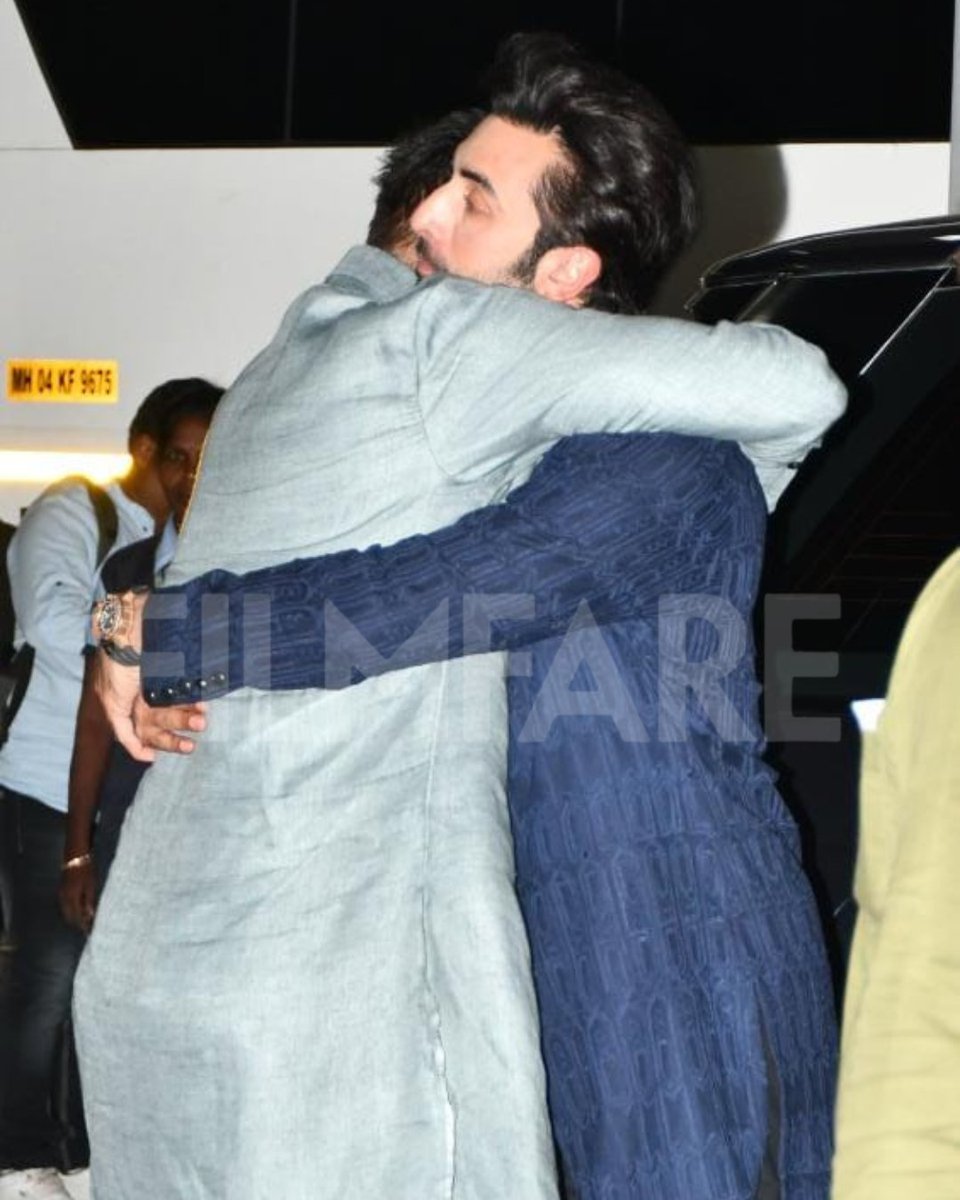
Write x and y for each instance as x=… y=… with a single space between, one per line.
x=112 y=622
x=107 y=618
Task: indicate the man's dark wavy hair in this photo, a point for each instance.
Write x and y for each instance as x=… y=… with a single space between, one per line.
x=418 y=163
x=628 y=189
x=170 y=401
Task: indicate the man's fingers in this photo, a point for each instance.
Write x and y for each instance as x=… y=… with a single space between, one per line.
x=166 y=728
x=184 y=716
x=126 y=736
x=78 y=890
x=70 y=909
x=162 y=739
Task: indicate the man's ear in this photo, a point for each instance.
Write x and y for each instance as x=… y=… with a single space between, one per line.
x=566 y=274
x=143 y=450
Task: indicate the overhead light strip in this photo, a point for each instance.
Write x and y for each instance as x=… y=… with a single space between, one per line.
x=44 y=466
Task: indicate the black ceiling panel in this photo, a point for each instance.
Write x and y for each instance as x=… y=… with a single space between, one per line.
x=274 y=72
x=410 y=64
x=759 y=71
x=181 y=73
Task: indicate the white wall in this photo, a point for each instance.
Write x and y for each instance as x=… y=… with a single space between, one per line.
x=28 y=116
x=171 y=262
x=758 y=194
x=182 y=262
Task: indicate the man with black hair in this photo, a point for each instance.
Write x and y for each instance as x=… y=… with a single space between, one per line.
x=361 y=842
x=103 y=776
x=54 y=573
x=615 y=202
x=618 y=524
x=418 y=163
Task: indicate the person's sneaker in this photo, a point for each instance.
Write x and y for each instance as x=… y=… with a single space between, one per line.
x=36 y=1183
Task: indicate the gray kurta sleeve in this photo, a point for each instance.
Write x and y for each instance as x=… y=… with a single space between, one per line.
x=504 y=373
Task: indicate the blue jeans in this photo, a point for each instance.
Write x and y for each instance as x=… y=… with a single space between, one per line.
x=41 y=1115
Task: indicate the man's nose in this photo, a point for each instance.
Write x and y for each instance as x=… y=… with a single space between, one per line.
x=432 y=212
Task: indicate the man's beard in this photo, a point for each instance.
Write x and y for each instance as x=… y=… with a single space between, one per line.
x=523 y=270
x=520 y=273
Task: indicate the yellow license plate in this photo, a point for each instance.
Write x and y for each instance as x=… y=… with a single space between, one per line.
x=63 y=381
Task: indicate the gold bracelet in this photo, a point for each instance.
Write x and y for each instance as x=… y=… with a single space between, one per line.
x=74 y=864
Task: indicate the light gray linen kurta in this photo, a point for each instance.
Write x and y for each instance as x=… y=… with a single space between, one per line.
x=308 y=976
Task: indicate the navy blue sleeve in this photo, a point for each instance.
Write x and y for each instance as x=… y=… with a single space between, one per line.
x=573 y=540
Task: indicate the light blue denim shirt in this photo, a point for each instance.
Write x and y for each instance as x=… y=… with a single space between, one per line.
x=54 y=580
x=313 y=914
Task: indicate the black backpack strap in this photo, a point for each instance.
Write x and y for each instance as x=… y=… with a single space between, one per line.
x=108 y=523
x=7 y=619
x=16 y=670
x=105 y=511
x=14 y=678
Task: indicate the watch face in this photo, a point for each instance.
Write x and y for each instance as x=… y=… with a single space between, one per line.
x=108 y=618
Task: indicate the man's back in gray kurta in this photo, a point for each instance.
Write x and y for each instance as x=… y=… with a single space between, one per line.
x=308 y=974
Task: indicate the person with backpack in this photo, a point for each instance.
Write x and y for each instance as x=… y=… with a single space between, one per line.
x=54 y=563
x=103 y=776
